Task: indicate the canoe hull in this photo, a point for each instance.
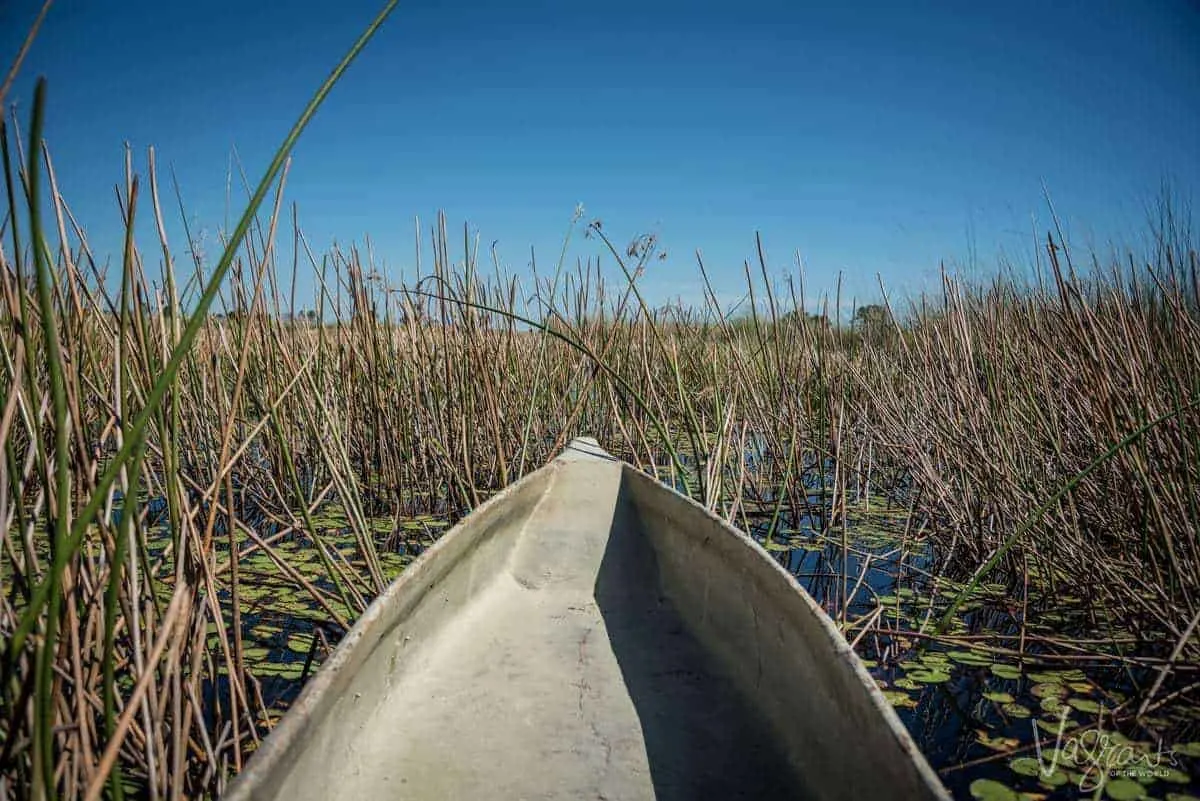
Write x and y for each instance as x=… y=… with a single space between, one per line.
x=588 y=633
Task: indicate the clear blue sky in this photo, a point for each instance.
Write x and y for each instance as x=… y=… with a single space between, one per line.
x=877 y=138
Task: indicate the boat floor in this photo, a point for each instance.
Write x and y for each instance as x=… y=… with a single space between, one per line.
x=567 y=677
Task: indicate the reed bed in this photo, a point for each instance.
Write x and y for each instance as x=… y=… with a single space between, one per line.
x=1045 y=435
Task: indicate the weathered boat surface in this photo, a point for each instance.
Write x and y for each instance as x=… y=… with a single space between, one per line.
x=590 y=634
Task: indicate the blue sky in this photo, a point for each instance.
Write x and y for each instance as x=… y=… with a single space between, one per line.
x=872 y=138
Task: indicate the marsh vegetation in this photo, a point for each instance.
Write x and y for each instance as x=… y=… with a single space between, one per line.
x=994 y=488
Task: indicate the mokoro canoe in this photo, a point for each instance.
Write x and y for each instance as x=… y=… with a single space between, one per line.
x=589 y=633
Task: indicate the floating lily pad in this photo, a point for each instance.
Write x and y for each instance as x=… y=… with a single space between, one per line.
x=1048 y=690
x=1124 y=790
x=1173 y=775
x=288 y=671
x=1026 y=766
x=996 y=743
x=906 y=683
x=999 y=698
x=1006 y=671
x=970 y=658
x=1016 y=710
x=1056 y=778
x=1187 y=749
x=1084 y=705
x=1049 y=726
x=929 y=676
x=899 y=699
x=1053 y=704
x=992 y=790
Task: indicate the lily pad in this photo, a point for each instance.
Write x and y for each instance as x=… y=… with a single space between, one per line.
x=1048 y=690
x=1124 y=790
x=999 y=698
x=929 y=676
x=996 y=743
x=1187 y=749
x=1173 y=775
x=1003 y=671
x=1016 y=710
x=1052 y=704
x=1056 y=778
x=992 y=790
x=970 y=658
x=1048 y=726
x=899 y=699
x=288 y=671
x=1084 y=705
x=1026 y=766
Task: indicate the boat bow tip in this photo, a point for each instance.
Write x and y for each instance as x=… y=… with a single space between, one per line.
x=581 y=448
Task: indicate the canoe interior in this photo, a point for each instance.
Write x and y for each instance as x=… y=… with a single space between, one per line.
x=589 y=635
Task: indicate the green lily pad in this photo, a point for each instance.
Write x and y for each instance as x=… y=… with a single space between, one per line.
x=1016 y=710
x=1048 y=726
x=1003 y=671
x=929 y=676
x=1084 y=705
x=999 y=698
x=288 y=671
x=906 y=683
x=1057 y=778
x=1052 y=704
x=1187 y=749
x=970 y=658
x=1026 y=766
x=996 y=743
x=1124 y=790
x=1172 y=775
x=899 y=699
x=992 y=790
x=1048 y=690
x=1181 y=797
